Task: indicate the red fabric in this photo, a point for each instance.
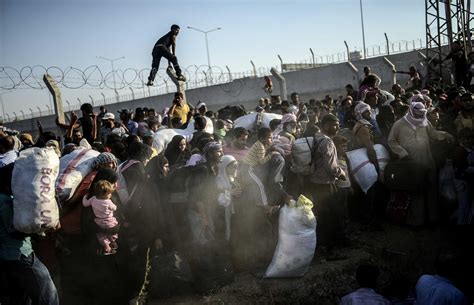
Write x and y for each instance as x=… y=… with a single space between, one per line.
x=398 y=205
x=71 y=220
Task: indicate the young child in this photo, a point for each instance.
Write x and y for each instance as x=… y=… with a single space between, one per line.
x=264 y=166
x=103 y=209
x=228 y=187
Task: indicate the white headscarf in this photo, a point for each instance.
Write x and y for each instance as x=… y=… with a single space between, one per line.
x=225 y=186
x=222 y=179
x=417 y=108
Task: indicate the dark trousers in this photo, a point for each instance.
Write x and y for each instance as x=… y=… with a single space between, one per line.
x=29 y=282
x=158 y=53
x=330 y=214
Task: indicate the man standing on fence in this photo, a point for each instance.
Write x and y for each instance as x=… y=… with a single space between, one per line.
x=162 y=49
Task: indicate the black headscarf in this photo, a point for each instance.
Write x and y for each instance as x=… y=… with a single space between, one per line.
x=154 y=168
x=103 y=174
x=174 y=154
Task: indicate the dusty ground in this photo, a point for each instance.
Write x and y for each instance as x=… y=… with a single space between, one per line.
x=398 y=251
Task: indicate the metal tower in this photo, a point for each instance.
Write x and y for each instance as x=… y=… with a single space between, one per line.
x=446 y=21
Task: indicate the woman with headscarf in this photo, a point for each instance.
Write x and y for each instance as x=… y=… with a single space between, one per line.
x=81 y=268
x=177 y=152
x=158 y=190
x=75 y=242
x=203 y=193
x=139 y=228
x=409 y=139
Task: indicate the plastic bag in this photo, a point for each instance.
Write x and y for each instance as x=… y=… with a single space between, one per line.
x=446 y=181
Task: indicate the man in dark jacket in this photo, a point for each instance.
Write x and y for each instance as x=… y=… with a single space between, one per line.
x=162 y=49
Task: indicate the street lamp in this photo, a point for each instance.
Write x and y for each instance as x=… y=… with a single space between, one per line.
x=207 y=43
x=362 y=22
x=112 y=63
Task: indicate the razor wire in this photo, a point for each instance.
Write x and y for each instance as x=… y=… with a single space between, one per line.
x=31 y=77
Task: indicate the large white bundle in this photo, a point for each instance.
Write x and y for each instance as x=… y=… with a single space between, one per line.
x=35 y=209
x=163 y=137
x=296 y=240
x=190 y=128
x=362 y=170
x=248 y=121
x=73 y=168
x=301 y=155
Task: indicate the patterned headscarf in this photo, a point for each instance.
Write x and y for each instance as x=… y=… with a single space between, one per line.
x=209 y=147
x=286 y=118
x=360 y=108
x=417 y=109
x=103 y=158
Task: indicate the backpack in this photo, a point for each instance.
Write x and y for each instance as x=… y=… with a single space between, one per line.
x=315 y=153
x=122 y=189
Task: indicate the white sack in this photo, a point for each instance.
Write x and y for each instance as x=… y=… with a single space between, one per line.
x=163 y=137
x=248 y=121
x=73 y=168
x=296 y=241
x=35 y=209
x=362 y=170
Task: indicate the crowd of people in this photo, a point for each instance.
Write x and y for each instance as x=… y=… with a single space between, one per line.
x=228 y=186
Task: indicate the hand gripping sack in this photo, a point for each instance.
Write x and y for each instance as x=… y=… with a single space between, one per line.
x=296 y=240
x=73 y=168
x=35 y=209
x=362 y=170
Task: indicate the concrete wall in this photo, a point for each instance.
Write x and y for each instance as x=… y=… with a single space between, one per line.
x=310 y=83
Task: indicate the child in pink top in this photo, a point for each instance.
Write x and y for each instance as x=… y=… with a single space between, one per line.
x=103 y=209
